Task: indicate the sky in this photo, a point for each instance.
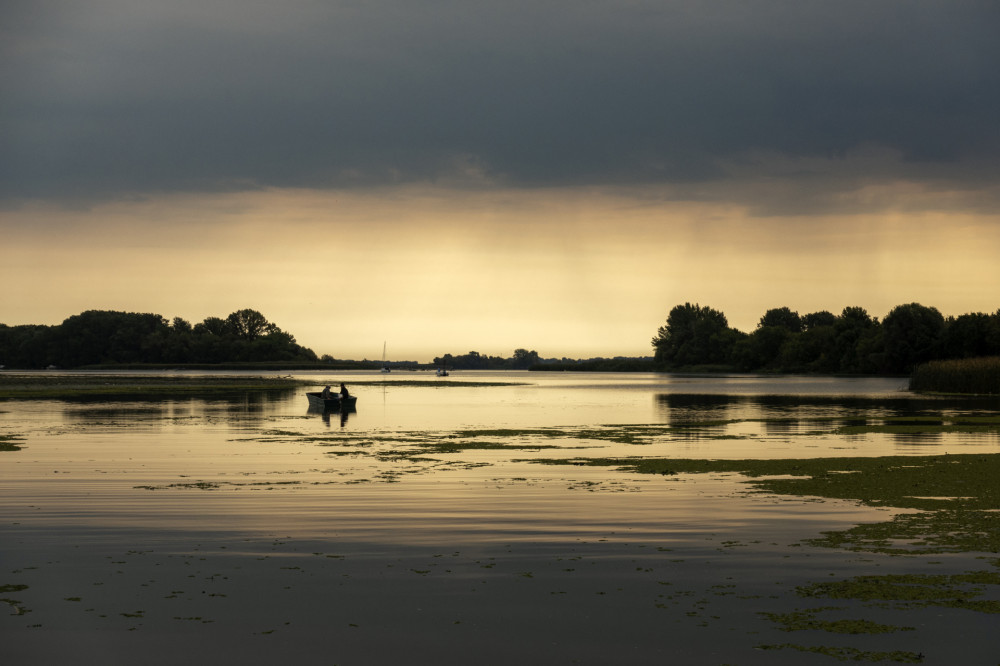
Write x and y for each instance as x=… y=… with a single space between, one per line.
x=445 y=176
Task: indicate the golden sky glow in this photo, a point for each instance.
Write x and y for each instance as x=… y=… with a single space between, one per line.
x=459 y=176
x=572 y=272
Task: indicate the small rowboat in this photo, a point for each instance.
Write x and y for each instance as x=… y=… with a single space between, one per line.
x=333 y=404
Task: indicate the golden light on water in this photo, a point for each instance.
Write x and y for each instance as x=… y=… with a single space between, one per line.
x=571 y=272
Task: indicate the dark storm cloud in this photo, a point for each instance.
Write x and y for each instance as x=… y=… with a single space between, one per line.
x=117 y=97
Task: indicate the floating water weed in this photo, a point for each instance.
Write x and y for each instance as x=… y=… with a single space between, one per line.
x=455 y=447
x=851 y=654
x=19 y=609
x=7 y=442
x=805 y=620
x=913 y=590
x=900 y=481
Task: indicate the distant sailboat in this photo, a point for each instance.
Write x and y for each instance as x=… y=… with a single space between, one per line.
x=385 y=368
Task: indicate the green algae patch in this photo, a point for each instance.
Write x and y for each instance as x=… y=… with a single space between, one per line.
x=514 y=432
x=200 y=485
x=955 y=498
x=924 y=533
x=924 y=424
x=851 y=654
x=16 y=605
x=929 y=483
x=620 y=434
x=808 y=620
x=916 y=429
x=4 y=589
x=455 y=447
x=490 y=438
x=908 y=591
x=431 y=442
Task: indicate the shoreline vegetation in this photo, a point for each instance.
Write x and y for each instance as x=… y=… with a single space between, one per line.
x=244 y=340
x=74 y=385
x=945 y=355
x=77 y=385
x=851 y=343
x=959 y=376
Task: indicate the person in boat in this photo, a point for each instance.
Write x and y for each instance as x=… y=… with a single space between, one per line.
x=326 y=395
x=344 y=395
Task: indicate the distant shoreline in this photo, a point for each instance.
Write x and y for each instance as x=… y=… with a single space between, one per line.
x=589 y=365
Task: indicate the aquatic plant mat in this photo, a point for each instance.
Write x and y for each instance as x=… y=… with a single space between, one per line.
x=493 y=545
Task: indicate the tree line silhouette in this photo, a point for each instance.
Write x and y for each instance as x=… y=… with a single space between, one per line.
x=110 y=337
x=853 y=342
x=521 y=360
x=693 y=338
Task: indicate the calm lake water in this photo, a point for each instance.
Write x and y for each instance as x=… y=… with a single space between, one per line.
x=421 y=528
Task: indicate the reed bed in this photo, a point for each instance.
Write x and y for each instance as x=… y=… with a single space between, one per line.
x=967 y=375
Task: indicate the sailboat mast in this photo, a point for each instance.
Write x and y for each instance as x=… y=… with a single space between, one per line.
x=385 y=368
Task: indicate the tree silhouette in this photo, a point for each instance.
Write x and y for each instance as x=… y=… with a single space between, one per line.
x=249 y=324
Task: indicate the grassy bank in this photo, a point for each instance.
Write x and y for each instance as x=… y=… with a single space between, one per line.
x=70 y=385
x=276 y=366
x=969 y=375
x=14 y=386
x=9 y=442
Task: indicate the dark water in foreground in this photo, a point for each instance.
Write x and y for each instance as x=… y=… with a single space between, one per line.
x=420 y=529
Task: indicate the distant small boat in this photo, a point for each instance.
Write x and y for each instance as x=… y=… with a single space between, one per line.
x=332 y=404
x=442 y=372
x=385 y=368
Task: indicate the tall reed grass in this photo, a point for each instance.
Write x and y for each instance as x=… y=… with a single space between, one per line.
x=967 y=375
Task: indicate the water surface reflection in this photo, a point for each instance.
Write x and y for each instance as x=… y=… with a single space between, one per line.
x=903 y=422
x=247 y=521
